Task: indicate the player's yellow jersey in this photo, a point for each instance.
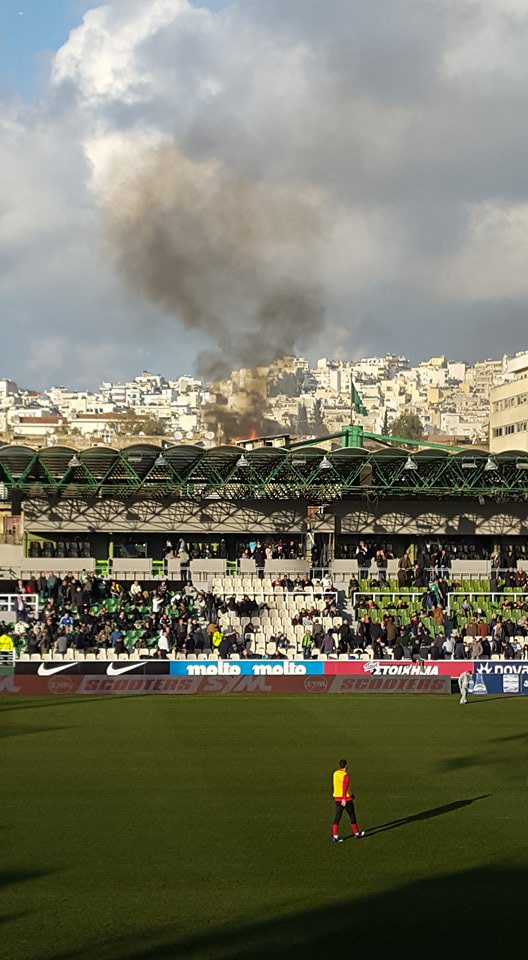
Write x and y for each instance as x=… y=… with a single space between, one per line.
x=341 y=785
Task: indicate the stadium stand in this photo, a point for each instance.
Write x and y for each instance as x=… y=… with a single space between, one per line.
x=248 y=615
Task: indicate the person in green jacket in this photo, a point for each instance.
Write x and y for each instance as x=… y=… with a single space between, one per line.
x=307 y=644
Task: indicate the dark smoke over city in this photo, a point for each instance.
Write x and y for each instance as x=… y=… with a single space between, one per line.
x=232 y=259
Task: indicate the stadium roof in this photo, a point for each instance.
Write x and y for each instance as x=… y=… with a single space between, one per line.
x=272 y=473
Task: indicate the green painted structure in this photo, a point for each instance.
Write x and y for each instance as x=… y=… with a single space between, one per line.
x=303 y=471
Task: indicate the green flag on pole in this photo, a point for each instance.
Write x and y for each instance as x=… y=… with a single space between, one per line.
x=356 y=401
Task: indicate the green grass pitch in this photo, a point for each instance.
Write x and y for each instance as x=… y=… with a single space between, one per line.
x=166 y=827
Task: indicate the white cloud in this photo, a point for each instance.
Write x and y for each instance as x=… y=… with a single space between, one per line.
x=99 y=58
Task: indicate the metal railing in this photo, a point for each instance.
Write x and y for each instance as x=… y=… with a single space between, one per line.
x=8 y=603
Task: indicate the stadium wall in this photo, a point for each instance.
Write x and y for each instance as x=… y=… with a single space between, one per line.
x=394 y=517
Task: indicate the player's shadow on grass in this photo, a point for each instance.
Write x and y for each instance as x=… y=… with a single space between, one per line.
x=10 y=877
x=430 y=917
x=484 y=699
x=425 y=815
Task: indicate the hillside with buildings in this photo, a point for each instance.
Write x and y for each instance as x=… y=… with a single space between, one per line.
x=452 y=399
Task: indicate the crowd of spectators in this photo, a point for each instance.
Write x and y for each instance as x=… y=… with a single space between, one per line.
x=90 y=614
x=107 y=617
x=387 y=638
x=95 y=615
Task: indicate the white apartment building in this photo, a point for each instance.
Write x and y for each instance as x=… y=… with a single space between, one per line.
x=7 y=388
x=456 y=370
x=509 y=409
x=36 y=428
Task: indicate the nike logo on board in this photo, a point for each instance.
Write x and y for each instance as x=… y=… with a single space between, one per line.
x=45 y=671
x=114 y=671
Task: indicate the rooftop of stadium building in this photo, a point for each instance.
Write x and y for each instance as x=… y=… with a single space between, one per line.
x=268 y=473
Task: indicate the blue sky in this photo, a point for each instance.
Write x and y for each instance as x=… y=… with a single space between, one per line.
x=30 y=30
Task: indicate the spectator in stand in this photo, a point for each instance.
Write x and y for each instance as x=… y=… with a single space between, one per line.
x=227 y=645
x=404 y=570
x=447 y=648
x=435 y=651
x=391 y=631
x=364 y=632
x=397 y=651
x=180 y=634
x=381 y=563
x=164 y=643
x=353 y=587
x=21 y=609
x=42 y=584
x=216 y=638
x=327 y=644
x=345 y=636
x=486 y=649
x=66 y=621
x=377 y=649
x=116 y=641
x=475 y=649
x=53 y=586
x=419 y=575
x=438 y=616
x=136 y=590
x=466 y=607
x=363 y=560
x=459 y=651
x=307 y=645
x=61 y=643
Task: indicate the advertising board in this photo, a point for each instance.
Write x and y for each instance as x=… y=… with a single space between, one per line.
x=68 y=685
x=155 y=675
x=243 y=668
x=398 y=668
x=500 y=677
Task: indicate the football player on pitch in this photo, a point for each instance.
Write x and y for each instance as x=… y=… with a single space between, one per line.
x=344 y=800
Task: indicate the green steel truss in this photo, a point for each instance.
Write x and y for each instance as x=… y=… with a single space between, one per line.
x=309 y=473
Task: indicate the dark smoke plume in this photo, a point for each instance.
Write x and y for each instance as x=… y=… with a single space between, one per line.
x=232 y=258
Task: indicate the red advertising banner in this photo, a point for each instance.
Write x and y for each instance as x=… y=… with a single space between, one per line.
x=398 y=668
x=62 y=685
